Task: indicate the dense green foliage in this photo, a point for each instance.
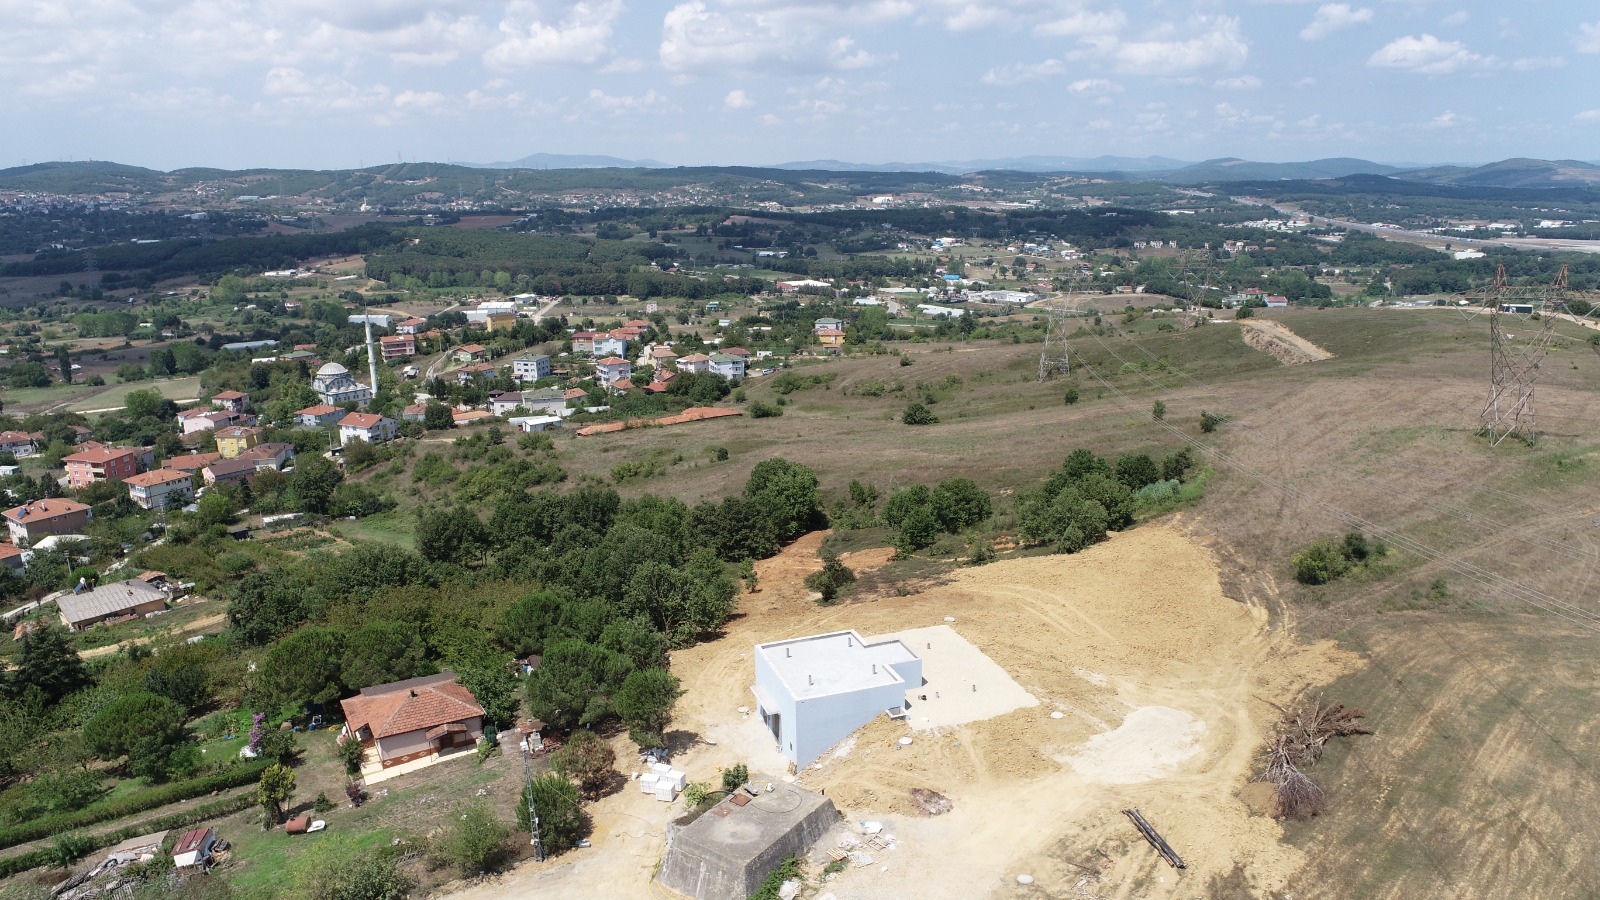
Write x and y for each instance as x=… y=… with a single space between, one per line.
x=554 y=800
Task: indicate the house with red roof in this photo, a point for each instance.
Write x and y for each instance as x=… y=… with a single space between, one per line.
x=100 y=463
x=233 y=401
x=369 y=427
x=413 y=719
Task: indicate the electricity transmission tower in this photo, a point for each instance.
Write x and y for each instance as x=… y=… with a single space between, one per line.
x=1056 y=357
x=1514 y=364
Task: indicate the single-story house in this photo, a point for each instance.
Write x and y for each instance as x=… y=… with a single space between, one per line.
x=506 y=403
x=812 y=692
x=14 y=558
x=416 y=412
x=411 y=719
x=194 y=848
x=470 y=352
x=461 y=418
x=109 y=601
x=17 y=443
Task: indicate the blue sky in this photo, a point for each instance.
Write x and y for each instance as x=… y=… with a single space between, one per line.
x=335 y=83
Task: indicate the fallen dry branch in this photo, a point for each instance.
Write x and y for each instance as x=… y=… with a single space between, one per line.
x=1296 y=744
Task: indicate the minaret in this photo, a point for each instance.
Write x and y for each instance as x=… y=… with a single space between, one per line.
x=372 y=358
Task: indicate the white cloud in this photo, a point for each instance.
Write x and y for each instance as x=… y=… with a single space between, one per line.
x=648 y=101
x=737 y=100
x=1446 y=119
x=1426 y=55
x=1232 y=116
x=759 y=36
x=1588 y=39
x=291 y=87
x=1459 y=17
x=1216 y=44
x=1018 y=73
x=1083 y=23
x=583 y=37
x=1333 y=17
x=1588 y=115
x=1242 y=83
x=1094 y=86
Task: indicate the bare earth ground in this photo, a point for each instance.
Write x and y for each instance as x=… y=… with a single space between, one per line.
x=1162 y=683
x=1274 y=338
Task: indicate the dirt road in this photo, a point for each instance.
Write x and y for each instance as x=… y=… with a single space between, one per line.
x=1162 y=686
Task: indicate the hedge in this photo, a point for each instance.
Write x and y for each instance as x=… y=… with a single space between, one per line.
x=237 y=776
x=45 y=856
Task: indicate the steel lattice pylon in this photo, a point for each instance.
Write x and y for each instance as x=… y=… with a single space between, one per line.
x=1514 y=365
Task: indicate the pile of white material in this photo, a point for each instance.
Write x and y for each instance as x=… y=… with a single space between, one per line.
x=662 y=782
x=1152 y=741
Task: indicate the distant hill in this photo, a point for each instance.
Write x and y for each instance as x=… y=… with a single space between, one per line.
x=1512 y=173
x=1009 y=164
x=1234 y=169
x=570 y=161
x=88 y=177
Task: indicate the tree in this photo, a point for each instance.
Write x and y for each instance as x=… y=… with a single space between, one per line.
x=787 y=495
x=147 y=403
x=359 y=454
x=554 y=800
x=918 y=414
x=1158 y=410
x=64 y=360
x=1177 y=465
x=527 y=624
x=454 y=535
x=588 y=761
x=1210 y=421
x=902 y=502
x=437 y=417
x=120 y=725
x=47 y=662
x=918 y=529
x=1135 y=470
x=304 y=667
x=1072 y=396
x=575 y=682
x=315 y=477
x=959 y=503
x=274 y=791
x=350 y=753
x=645 y=702
x=475 y=841
x=1067 y=519
x=381 y=652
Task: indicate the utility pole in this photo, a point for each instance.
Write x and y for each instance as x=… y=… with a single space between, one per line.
x=533 y=814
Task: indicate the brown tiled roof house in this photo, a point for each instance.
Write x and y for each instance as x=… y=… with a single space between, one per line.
x=411 y=719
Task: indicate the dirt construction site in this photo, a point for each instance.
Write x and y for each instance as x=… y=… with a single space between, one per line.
x=1153 y=690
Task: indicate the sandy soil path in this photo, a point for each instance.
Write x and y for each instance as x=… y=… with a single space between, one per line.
x=1275 y=338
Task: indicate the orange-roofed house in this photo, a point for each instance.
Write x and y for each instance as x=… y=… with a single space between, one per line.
x=612 y=369
x=233 y=401
x=100 y=464
x=831 y=338
x=319 y=416
x=160 y=488
x=398 y=346
x=413 y=719
x=46 y=517
x=694 y=364
x=236 y=439
x=369 y=427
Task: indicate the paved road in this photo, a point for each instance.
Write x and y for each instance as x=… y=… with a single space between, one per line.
x=1423 y=237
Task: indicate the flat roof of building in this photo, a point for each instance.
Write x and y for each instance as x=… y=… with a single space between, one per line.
x=835 y=663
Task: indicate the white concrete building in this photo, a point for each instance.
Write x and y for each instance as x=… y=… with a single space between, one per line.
x=727 y=365
x=160 y=488
x=369 y=427
x=531 y=367
x=334 y=385
x=812 y=692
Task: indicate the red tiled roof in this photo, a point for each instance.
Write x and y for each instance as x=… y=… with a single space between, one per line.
x=360 y=420
x=98 y=455
x=44 y=509
x=156 y=476
x=610 y=361
x=321 y=409
x=191 y=462
x=230 y=395
x=414 y=705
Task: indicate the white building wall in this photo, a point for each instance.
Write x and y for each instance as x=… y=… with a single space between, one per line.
x=809 y=728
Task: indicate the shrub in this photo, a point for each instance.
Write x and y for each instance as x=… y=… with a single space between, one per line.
x=959 y=503
x=338 y=869
x=834 y=576
x=476 y=842
x=735 y=776
x=918 y=529
x=1072 y=396
x=587 y=760
x=1320 y=562
x=1210 y=421
x=555 y=801
x=1158 y=410
x=696 y=793
x=772 y=885
x=759 y=410
x=350 y=752
x=917 y=414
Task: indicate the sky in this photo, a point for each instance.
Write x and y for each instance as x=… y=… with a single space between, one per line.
x=341 y=83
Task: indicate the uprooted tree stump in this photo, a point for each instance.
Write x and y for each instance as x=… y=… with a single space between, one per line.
x=1296 y=744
